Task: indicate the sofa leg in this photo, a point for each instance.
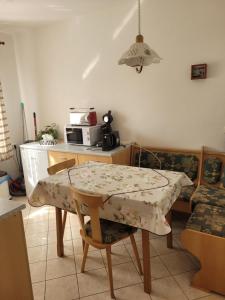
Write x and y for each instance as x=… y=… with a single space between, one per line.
x=209 y=249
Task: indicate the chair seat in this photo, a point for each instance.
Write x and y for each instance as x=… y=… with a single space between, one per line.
x=208 y=219
x=186 y=192
x=111 y=231
x=209 y=195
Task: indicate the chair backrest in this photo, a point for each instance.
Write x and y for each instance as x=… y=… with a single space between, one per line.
x=93 y=203
x=212 y=168
x=61 y=166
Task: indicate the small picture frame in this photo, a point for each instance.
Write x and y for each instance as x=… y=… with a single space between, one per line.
x=199 y=71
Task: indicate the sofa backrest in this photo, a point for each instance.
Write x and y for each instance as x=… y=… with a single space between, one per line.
x=212 y=168
x=170 y=159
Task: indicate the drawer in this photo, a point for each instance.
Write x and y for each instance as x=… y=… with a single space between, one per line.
x=57 y=157
x=84 y=158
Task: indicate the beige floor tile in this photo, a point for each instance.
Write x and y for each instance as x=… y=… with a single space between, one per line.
x=38 y=215
x=94 y=261
x=36 y=254
x=93 y=282
x=52 y=237
x=160 y=246
x=177 y=263
x=166 y=289
x=60 y=267
x=125 y=274
x=75 y=230
x=37 y=227
x=139 y=246
x=184 y=281
x=39 y=290
x=119 y=255
x=52 y=249
x=38 y=239
x=158 y=269
x=64 y=288
x=78 y=248
x=133 y=292
x=52 y=224
x=37 y=271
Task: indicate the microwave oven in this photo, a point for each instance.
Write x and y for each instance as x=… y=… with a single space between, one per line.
x=82 y=135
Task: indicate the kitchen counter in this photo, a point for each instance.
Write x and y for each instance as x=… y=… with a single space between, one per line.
x=62 y=147
x=9 y=207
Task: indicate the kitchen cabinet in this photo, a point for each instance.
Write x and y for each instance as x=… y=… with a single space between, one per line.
x=55 y=157
x=15 y=283
x=122 y=157
x=35 y=164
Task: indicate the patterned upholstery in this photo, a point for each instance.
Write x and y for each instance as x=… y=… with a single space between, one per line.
x=209 y=195
x=208 y=219
x=111 y=231
x=186 y=192
x=212 y=170
x=169 y=161
x=223 y=178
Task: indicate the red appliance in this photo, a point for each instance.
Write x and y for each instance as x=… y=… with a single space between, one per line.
x=83 y=116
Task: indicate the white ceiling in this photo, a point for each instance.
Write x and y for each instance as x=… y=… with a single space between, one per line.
x=42 y=11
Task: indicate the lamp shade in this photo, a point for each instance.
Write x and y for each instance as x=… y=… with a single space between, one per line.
x=139 y=54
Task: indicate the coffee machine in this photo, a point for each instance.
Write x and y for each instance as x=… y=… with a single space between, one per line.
x=110 y=138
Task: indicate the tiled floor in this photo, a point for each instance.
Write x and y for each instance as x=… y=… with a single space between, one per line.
x=56 y=278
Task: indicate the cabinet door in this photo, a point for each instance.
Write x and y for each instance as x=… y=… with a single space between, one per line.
x=84 y=158
x=35 y=164
x=55 y=157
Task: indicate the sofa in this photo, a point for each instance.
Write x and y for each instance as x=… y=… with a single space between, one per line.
x=187 y=161
x=204 y=235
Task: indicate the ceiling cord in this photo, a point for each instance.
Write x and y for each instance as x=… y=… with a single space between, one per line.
x=139 y=17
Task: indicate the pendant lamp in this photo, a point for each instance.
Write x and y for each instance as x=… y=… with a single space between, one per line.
x=139 y=54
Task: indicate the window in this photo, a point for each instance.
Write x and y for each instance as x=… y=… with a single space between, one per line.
x=6 y=150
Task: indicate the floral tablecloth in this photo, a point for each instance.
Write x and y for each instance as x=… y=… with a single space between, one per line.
x=136 y=196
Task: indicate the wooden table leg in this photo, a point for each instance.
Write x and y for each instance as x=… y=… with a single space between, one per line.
x=59 y=232
x=146 y=261
x=169 y=235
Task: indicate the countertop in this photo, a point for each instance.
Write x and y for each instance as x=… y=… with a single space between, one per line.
x=62 y=147
x=9 y=207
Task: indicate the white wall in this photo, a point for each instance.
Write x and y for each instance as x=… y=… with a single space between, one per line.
x=9 y=79
x=77 y=66
x=25 y=48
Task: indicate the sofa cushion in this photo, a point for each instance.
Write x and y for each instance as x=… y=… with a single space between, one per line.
x=209 y=195
x=208 y=219
x=111 y=231
x=223 y=178
x=169 y=161
x=212 y=170
x=186 y=192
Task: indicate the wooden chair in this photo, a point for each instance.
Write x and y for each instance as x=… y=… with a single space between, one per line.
x=99 y=233
x=60 y=222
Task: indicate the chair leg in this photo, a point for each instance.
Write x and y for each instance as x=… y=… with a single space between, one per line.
x=83 y=242
x=86 y=246
x=64 y=221
x=169 y=235
x=109 y=262
x=134 y=245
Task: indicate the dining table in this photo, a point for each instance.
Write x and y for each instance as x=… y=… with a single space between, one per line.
x=138 y=197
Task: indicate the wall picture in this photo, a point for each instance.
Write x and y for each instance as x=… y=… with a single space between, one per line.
x=199 y=71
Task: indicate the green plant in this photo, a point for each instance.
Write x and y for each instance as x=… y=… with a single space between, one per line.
x=49 y=129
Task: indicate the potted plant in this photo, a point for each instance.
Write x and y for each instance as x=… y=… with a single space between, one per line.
x=48 y=135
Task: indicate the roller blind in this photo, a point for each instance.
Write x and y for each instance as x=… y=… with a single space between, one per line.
x=6 y=150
